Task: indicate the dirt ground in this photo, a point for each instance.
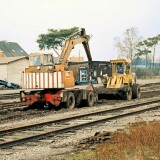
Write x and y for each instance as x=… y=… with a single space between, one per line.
x=147 y=81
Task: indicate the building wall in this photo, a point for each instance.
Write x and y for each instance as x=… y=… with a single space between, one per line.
x=75 y=69
x=15 y=70
x=100 y=68
x=3 y=73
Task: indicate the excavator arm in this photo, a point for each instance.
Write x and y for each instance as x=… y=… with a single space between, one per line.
x=70 y=42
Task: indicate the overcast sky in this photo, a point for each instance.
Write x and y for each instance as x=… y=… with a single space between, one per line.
x=22 y=21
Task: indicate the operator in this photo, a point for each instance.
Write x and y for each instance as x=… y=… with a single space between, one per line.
x=120 y=69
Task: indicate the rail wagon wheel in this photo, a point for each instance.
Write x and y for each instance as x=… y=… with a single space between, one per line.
x=90 y=99
x=128 y=94
x=70 y=103
x=136 y=91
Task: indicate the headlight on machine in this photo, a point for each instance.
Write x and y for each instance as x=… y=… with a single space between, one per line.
x=22 y=96
x=50 y=67
x=38 y=67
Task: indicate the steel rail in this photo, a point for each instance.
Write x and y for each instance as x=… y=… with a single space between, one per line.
x=9 y=95
x=11 y=104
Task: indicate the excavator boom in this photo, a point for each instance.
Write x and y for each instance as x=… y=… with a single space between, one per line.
x=70 y=42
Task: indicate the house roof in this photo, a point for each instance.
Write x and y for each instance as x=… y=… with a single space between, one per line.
x=5 y=60
x=12 y=49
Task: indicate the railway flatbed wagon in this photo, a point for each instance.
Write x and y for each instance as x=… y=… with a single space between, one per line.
x=67 y=98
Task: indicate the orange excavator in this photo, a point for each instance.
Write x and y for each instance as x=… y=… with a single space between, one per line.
x=52 y=84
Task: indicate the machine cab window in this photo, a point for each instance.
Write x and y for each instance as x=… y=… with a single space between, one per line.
x=120 y=68
x=128 y=67
x=48 y=59
x=37 y=59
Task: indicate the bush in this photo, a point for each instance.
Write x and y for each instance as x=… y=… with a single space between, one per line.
x=145 y=73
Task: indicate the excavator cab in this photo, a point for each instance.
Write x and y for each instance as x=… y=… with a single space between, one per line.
x=37 y=59
x=40 y=62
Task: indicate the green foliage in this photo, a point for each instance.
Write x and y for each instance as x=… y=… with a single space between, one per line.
x=154 y=40
x=143 y=48
x=54 y=38
x=147 y=44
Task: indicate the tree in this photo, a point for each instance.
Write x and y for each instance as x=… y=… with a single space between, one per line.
x=153 y=43
x=143 y=49
x=54 y=38
x=127 y=46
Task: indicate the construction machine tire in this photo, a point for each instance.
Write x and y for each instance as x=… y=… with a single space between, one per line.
x=70 y=103
x=136 y=91
x=128 y=94
x=90 y=99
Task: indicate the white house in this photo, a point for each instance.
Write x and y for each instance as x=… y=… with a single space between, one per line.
x=11 y=68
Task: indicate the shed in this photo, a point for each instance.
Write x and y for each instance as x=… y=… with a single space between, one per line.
x=81 y=72
x=11 y=68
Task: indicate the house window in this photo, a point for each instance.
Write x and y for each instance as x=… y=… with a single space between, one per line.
x=83 y=75
x=102 y=65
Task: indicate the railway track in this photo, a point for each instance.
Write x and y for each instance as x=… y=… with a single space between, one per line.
x=10 y=106
x=15 y=105
x=9 y=96
x=20 y=135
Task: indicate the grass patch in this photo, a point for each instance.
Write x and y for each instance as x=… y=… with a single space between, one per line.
x=83 y=155
x=140 y=142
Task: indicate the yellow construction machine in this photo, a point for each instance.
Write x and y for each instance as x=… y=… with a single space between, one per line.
x=123 y=81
